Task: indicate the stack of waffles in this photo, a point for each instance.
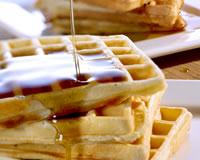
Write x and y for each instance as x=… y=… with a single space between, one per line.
x=110 y=111
x=114 y=16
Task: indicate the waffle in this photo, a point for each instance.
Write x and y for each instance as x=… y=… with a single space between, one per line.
x=35 y=143
x=163 y=13
x=169 y=132
x=167 y=135
x=83 y=26
x=117 y=5
x=110 y=65
x=7 y=158
x=122 y=123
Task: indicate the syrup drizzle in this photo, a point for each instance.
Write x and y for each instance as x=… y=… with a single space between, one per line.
x=73 y=33
x=67 y=144
x=60 y=139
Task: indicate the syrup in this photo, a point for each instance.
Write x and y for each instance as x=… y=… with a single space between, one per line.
x=66 y=143
x=36 y=74
x=72 y=26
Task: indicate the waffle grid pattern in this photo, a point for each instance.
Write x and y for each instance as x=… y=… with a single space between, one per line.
x=14 y=49
x=116 y=48
x=165 y=133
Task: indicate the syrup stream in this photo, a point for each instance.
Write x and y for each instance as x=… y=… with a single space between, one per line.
x=68 y=144
x=73 y=33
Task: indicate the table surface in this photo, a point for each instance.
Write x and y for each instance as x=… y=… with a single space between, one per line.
x=183 y=65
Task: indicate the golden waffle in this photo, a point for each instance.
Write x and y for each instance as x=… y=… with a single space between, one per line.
x=122 y=123
x=163 y=13
x=8 y=158
x=83 y=26
x=35 y=137
x=39 y=81
x=167 y=134
x=118 y=5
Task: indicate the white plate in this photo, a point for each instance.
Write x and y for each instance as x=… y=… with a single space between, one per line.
x=170 y=44
x=177 y=42
x=186 y=93
x=190 y=147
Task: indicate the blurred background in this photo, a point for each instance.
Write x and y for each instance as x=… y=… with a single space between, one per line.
x=24 y=20
x=20 y=18
x=28 y=4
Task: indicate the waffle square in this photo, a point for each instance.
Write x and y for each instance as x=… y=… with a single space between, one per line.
x=38 y=76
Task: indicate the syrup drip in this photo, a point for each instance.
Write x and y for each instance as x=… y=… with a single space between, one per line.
x=66 y=143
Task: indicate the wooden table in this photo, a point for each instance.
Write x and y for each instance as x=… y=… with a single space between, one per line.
x=183 y=65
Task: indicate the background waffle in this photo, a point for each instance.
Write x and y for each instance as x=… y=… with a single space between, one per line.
x=123 y=123
x=158 y=15
x=8 y=158
x=83 y=26
x=116 y=68
x=167 y=135
x=119 y=5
